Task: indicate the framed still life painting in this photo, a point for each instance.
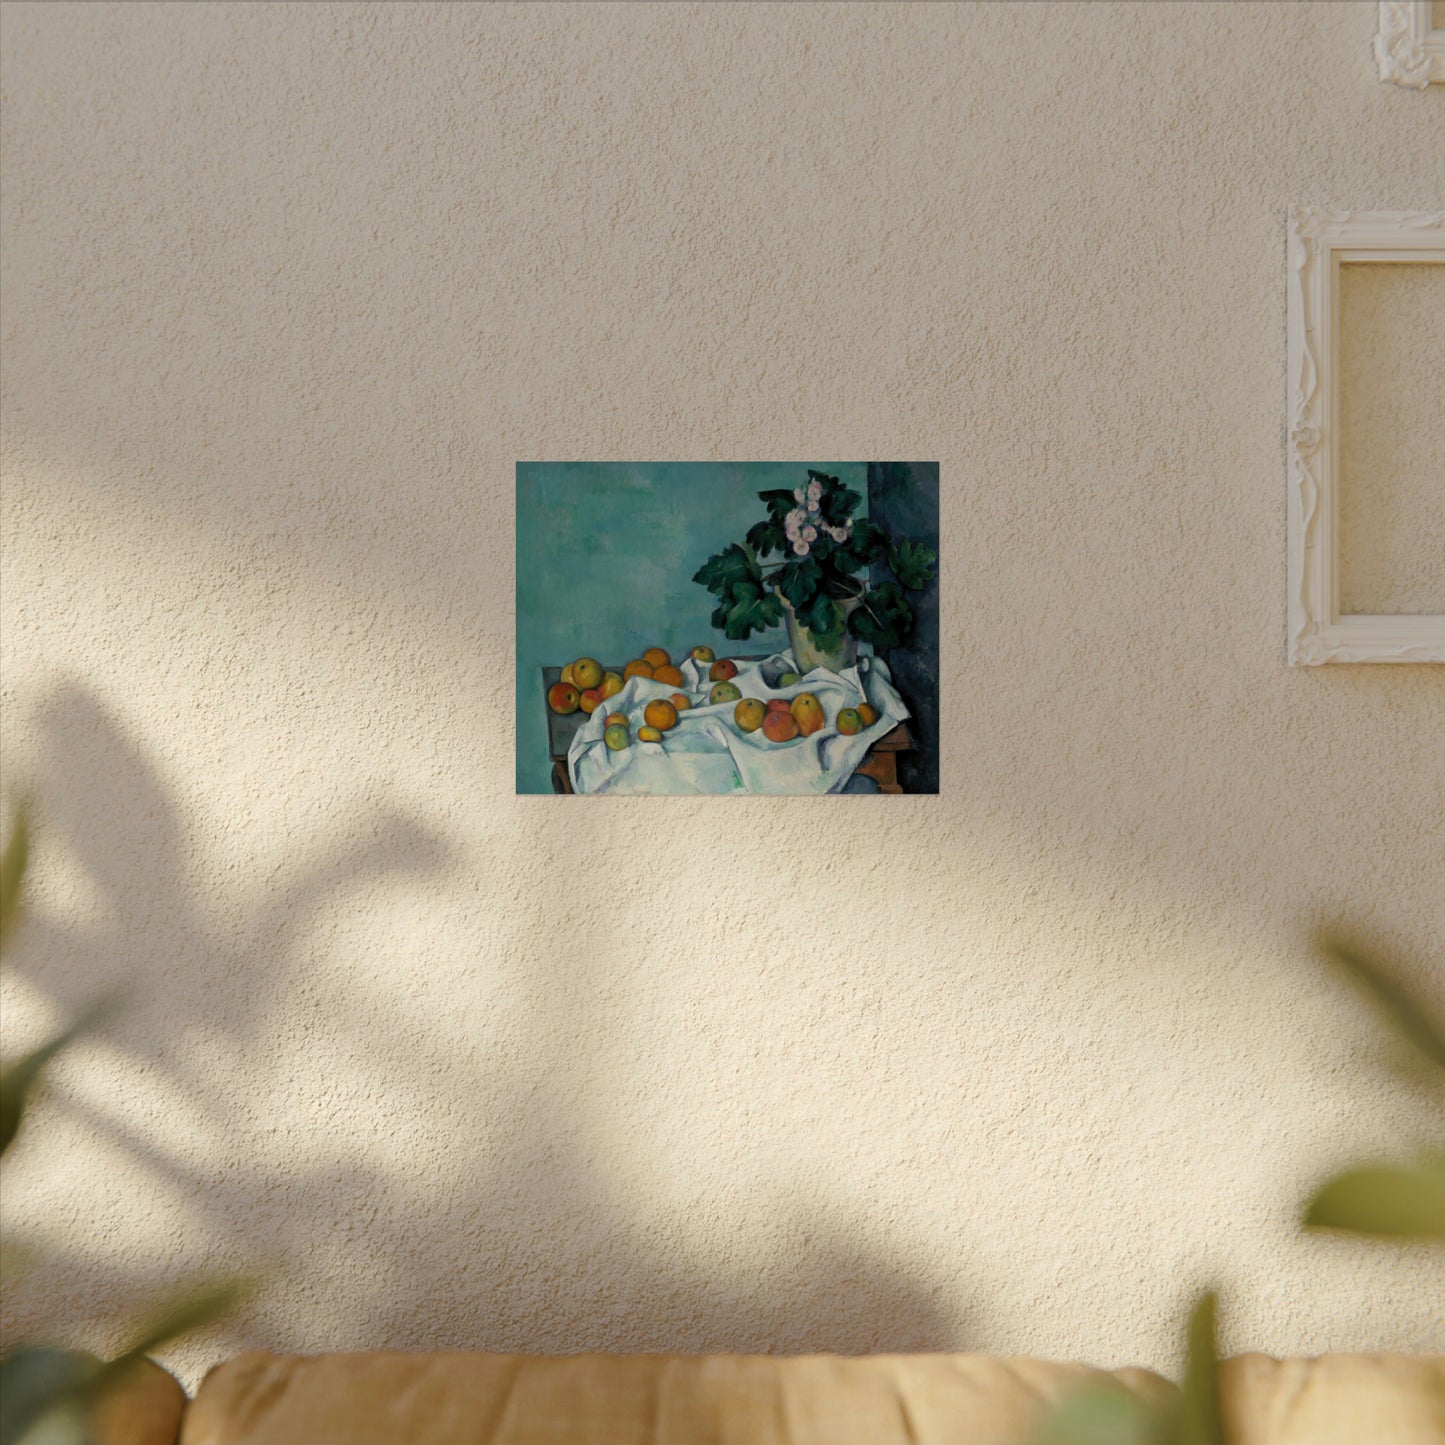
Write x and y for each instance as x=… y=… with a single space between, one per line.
x=727 y=627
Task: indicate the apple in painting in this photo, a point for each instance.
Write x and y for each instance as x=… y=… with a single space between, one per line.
x=808 y=712
x=702 y=654
x=616 y=737
x=591 y=700
x=779 y=704
x=563 y=697
x=587 y=672
x=868 y=713
x=611 y=684
x=723 y=670
x=681 y=701
x=780 y=727
x=749 y=714
x=848 y=722
x=724 y=692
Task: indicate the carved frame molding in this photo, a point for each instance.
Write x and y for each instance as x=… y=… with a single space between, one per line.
x=1409 y=48
x=1320 y=241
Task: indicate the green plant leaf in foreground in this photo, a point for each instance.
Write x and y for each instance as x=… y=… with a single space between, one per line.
x=1391 y=1201
x=47 y=1385
x=1102 y=1413
x=1198 y=1419
x=1425 y=1034
x=12 y=873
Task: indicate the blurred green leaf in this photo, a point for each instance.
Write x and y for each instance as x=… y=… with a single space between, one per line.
x=1390 y=1201
x=1198 y=1419
x=12 y=872
x=1425 y=1034
x=34 y=1382
x=1102 y=1413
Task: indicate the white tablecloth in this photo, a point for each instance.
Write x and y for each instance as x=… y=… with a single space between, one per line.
x=708 y=753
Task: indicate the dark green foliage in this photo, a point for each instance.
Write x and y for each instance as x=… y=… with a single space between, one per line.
x=817 y=584
x=884 y=617
x=912 y=564
x=799 y=581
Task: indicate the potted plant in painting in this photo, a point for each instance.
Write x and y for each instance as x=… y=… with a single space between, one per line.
x=820 y=589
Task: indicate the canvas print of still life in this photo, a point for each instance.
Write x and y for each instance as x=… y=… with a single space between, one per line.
x=727 y=628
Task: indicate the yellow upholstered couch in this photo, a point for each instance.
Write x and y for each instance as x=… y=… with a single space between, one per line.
x=474 y=1399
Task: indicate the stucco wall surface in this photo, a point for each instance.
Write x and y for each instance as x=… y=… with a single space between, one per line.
x=287 y=291
x=1392 y=438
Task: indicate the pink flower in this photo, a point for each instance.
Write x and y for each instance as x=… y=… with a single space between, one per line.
x=810 y=534
x=801 y=548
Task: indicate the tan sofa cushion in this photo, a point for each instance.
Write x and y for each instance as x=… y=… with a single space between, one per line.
x=1334 y=1400
x=144 y=1407
x=473 y=1399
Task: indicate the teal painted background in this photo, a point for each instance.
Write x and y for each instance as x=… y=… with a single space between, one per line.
x=605 y=557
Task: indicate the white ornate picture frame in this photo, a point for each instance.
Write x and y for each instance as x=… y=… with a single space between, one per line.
x=1410 y=44
x=1320 y=241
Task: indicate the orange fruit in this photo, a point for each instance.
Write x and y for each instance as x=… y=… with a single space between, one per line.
x=868 y=713
x=668 y=674
x=681 y=701
x=660 y=714
x=657 y=657
x=637 y=668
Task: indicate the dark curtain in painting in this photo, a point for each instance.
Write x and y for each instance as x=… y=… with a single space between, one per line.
x=903 y=497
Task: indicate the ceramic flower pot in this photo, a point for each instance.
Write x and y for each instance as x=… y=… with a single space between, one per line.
x=807 y=654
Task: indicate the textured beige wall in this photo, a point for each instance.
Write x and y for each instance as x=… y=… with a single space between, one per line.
x=1392 y=438
x=289 y=288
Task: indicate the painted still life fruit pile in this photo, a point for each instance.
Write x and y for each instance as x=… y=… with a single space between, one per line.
x=585 y=685
x=713 y=724
x=751 y=627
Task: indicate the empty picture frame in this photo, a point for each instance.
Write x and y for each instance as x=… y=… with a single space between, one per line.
x=1410 y=42
x=1320 y=242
